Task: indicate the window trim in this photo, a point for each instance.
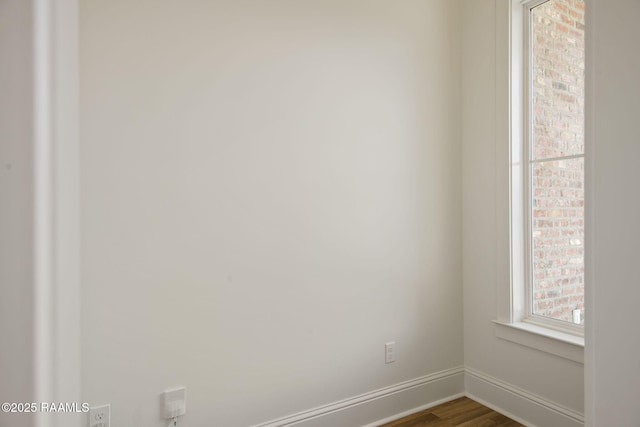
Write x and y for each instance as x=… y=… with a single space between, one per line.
x=562 y=344
x=512 y=103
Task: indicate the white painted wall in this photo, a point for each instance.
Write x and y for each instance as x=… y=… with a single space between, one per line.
x=270 y=191
x=16 y=229
x=485 y=228
x=613 y=106
x=284 y=384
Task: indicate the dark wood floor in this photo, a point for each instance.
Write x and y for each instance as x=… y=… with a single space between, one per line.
x=462 y=412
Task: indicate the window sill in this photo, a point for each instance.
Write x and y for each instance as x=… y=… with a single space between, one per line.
x=540 y=338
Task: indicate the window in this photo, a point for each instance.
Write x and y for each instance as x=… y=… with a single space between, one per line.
x=552 y=152
x=539 y=131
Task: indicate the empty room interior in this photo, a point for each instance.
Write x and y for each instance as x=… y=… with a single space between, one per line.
x=320 y=213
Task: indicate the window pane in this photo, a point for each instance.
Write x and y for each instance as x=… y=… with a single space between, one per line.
x=557 y=79
x=557 y=225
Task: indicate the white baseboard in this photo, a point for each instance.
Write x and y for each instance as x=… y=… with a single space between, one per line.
x=524 y=407
x=391 y=403
x=383 y=405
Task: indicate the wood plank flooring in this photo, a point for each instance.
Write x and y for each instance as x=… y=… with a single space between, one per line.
x=462 y=412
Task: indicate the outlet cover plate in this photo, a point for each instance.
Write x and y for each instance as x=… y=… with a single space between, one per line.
x=100 y=416
x=390 y=352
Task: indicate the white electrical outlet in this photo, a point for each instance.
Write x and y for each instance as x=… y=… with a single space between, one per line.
x=390 y=352
x=100 y=416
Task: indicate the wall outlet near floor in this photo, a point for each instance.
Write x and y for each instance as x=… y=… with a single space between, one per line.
x=100 y=416
x=175 y=403
x=390 y=352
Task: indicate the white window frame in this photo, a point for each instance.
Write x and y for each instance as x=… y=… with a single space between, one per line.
x=515 y=321
x=526 y=171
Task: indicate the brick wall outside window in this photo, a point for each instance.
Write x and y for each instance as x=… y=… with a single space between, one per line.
x=557 y=187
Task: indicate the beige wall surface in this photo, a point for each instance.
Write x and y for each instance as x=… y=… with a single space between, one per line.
x=16 y=209
x=270 y=192
x=613 y=106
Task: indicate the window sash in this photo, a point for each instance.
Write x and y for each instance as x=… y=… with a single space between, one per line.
x=522 y=225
